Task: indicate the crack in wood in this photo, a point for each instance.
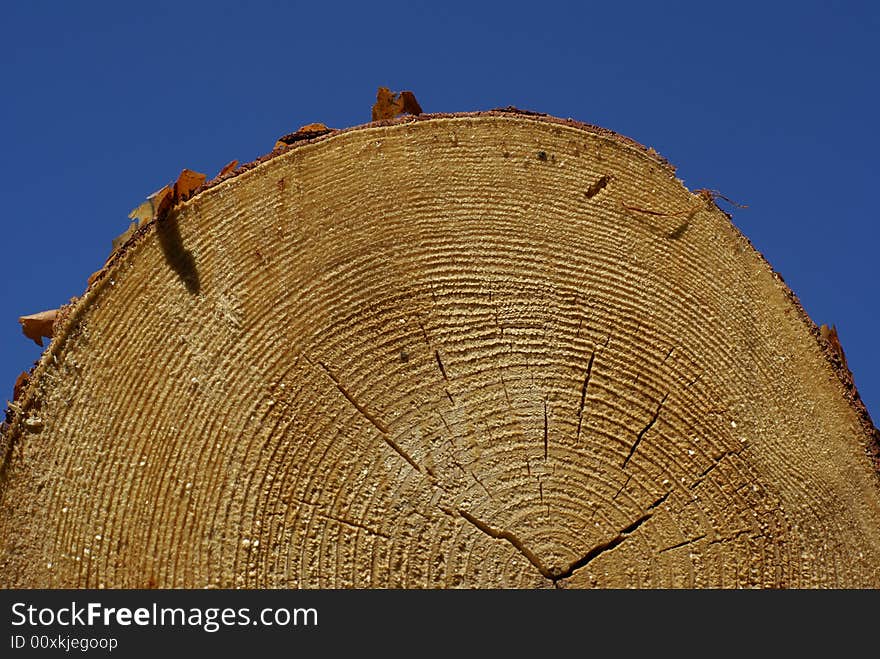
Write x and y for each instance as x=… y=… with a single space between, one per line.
x=735 y=536
x=354 y=525
x=644 y=431
x=440 y=365
x=376 y=421
x=660 y=501
x=717 y=461
x=622 y=487
x=481 y=484
x=555 y=573
x=604 y=547
x=584 y=395
x=684 y=543
x=587 y=375
x=694 y=381
x=502 y=534
x=546 y=436
x=504 y=386
x=703 y=536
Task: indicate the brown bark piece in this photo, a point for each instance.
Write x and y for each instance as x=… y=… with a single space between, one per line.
x=155 y=205
x=389 y=104
x=187 y=182
x=423 y=356
x=158 y=203
x=307 y=132
x=409 y=104
x=39 y=325
x=830 y=335
x=228 y=167
x=21 y=383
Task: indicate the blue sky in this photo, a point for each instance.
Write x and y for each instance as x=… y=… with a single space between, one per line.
x=774 y=104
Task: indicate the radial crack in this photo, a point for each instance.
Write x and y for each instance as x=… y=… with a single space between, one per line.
x=660 y=501
x=600 y=549
x=501 y=534
x=584 y=395
x=351 y=399
x=446 y=425
x=644 y=431
x=684 y=543
x=622 y=487
x=504 y=386
x=445 y=377
x=546 y=436
x=555 y=573
x=735 y=536
x=480 y=483
x=702 y=476
x=440 y=365
x=353 y=525
x=380 y=426
x=694 y=381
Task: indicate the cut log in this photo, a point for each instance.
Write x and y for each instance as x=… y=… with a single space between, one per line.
x=485 y=350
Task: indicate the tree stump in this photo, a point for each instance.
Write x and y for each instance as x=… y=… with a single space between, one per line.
x=482 y=350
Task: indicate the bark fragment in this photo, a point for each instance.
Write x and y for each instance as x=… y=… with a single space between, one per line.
x=306 y=132
x=39 y=325
x=390 y=104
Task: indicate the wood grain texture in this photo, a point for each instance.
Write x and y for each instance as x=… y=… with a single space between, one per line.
x=475 y=351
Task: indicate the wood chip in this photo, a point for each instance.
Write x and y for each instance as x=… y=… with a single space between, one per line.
x=122 y=238
x=306 y=132
x=228 y=167
x=312 y=128
x=389 y=104
x=94 y=276
x=38 y=325
x=20 y=384
x=187 y=183
x=158 y=203
x=830 y=335
x=155 y=206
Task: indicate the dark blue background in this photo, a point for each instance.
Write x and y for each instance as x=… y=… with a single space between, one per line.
x=774 y=104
